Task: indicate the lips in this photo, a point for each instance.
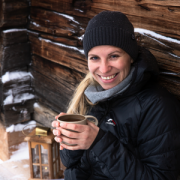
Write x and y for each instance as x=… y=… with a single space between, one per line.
x=108 y=77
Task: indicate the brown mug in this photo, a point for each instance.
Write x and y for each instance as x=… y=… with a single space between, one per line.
x=76 y=119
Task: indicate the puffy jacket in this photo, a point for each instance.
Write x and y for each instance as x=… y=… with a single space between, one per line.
x=139 y=136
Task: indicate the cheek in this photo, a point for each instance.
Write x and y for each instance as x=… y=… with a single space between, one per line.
x=91 y=67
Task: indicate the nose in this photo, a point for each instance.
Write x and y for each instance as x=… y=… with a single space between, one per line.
x=104 y=66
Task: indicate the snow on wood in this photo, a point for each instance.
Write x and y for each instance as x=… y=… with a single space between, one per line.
x=11 y=99
x=13 y=30
x=156 y=35
x=9 y=76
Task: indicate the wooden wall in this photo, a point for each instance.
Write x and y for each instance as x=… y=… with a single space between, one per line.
x=56 y=31
x=52 y=53
x=16 y=93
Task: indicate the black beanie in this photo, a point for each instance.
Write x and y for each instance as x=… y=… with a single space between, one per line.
x=110 y=28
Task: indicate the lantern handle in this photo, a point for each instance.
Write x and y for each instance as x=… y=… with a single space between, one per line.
x=25 y=133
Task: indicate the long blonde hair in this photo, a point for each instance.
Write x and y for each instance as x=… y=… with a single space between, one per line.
x=79 y=103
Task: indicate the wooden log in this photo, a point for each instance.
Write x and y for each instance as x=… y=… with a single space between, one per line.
x=17 y=112
x=44 y=114
x=13 y=36
x=52 y=91
x=153 y=15
x=66 y=76
x=55 y=23
x=13 y=13
x=15 y=56
x=16 y=97
x=165 y=49
x=69 y=56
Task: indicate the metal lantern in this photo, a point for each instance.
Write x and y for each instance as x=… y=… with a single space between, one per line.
x=44 y=155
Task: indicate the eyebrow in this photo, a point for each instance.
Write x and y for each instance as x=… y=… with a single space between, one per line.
x=108 y=54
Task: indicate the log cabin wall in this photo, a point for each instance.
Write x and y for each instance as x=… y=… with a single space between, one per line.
x=16 y=93
x=51 y=59
x=57 y=28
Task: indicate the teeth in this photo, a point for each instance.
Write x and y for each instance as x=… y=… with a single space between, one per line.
x=108 y=77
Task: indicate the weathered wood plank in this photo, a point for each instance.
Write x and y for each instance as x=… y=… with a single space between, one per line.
x=14 y=13
x=13 y=36
x=18 y=112
x=55 y=23
x=69 y=56
x=70 y=42
x=153 y=16
x=56 y=72
x=165 y=49
x=44 y=114
x=134 y=2
x=81 y=9
x=15 y=56
x=52 y=91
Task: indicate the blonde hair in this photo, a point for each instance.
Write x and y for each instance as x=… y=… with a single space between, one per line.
x=79 y=103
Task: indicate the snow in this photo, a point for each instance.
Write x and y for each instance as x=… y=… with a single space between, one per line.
x=20 y=154
x=79 y=10
x=156 y=35
x=37 y=25
x=10 y=99
x=20 y=127
x=13 y=30
x=174 y=55
x=81 y=37
x=9 y=76
x=63 y=45
x=68 y=17
x=36 y=105
x=26 y=166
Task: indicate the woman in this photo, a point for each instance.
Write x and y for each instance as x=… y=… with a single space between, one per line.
x=138 y=136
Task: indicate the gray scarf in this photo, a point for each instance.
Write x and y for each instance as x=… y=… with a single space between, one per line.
x=96 y=93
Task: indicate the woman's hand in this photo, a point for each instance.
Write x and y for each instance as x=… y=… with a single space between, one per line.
x=56 y=124
x=83 y=137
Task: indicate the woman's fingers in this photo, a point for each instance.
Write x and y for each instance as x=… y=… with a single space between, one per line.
x=62 y=113
x=73 y=127
x=56 y=123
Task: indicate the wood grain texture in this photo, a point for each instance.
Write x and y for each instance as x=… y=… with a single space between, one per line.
x=13 y=36
x=13 y=13
x=69 y=56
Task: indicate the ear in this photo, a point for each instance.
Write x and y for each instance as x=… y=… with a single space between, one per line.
x=132 y=60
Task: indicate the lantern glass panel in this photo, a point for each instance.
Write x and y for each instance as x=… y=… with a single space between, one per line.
x=36 y=171
x=45 y=172
x=54 y=169
x=35 y=154
x=57 y=165
x=54 y=151
x=57 y=149
x=44 y=155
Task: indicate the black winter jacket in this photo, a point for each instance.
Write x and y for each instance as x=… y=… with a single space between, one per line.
x=139 y=136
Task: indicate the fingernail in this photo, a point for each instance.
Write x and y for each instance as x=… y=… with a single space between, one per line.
x=61 y=124
x=55 y=139
x=54 y=132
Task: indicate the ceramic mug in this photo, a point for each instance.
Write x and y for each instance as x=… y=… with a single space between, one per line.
x=76 y=119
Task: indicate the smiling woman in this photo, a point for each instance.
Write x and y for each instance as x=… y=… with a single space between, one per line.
x=138 y=132
x=109 y=65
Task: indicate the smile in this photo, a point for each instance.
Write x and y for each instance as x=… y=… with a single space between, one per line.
x=108 y=77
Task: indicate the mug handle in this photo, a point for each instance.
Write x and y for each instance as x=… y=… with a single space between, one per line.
x=95 y=119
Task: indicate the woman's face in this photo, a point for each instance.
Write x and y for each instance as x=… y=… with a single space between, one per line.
x=109 y=65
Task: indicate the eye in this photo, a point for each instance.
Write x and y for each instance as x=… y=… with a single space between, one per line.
x=114 y=56
x=94 y=58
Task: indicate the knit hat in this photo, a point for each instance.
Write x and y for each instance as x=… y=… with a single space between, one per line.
x=110 y=28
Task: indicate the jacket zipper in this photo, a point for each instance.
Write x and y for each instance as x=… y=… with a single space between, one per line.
x=87 y=153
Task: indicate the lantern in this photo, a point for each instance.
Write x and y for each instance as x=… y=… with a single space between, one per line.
x=44 y=157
